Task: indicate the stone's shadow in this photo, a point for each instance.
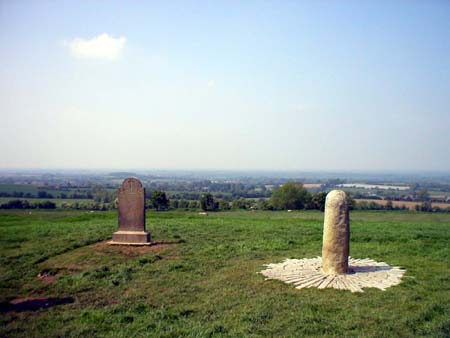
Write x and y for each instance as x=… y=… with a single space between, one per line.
x=33 y=304
x=368 y=268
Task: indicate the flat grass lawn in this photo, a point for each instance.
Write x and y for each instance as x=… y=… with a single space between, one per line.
x=202 y=280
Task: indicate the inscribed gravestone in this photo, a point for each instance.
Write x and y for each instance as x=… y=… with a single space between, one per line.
x=131 y=205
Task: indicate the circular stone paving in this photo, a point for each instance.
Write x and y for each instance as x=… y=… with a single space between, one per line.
x=307 y=273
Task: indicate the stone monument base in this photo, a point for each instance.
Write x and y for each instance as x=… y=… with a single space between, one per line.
x=130 y=238
x=308 y=273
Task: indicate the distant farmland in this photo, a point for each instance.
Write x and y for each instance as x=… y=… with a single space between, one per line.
x=409 y=205
x=312 y=185
x=34 y=190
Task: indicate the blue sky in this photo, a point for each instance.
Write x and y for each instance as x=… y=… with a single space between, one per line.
x=314 y=85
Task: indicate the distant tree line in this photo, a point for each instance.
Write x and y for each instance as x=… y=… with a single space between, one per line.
x=416 y=193
x=365 y=205
x=97 y=193
x=424 y=206
x=45 y=194
x=24 y=204
x=288 y=196
x=195 y=189
x=427 y=206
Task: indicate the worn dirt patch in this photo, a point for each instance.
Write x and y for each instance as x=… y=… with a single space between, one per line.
x=130 y=250
x=97 y=254
x=75 y=261
x=46 y=278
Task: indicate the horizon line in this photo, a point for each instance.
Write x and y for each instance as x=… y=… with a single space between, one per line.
x=232 y=170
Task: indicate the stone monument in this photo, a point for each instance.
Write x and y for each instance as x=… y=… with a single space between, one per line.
x=131 y=205
x=335 y=269
x=336 y=234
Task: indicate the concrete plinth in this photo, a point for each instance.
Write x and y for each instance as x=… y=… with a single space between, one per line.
x=131 y=238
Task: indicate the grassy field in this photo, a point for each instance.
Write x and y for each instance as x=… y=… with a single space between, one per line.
x=201 y=279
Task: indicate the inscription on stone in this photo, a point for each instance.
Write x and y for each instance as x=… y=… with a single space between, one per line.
x=131 y=205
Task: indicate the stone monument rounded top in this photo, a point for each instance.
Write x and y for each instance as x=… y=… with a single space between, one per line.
x=335 y=198
x=131 y=184
x=131 y=207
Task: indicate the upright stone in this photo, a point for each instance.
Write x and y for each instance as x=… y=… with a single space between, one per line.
x=336 y=234
x=131 y=199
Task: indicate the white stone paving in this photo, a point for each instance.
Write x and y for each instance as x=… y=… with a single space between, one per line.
x=307 y=273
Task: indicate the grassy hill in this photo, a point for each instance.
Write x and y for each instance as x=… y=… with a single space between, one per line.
x=202 y=279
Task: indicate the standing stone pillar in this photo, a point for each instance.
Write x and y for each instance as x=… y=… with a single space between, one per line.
x=131 y=205
x=336 y=234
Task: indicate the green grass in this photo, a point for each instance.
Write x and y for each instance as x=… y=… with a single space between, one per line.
x=207 y=284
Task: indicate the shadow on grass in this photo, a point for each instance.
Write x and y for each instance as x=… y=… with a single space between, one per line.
x=33 y=304
x=368 y=268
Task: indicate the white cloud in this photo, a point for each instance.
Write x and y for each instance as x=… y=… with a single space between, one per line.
x=99 y=47
x=211 y=83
